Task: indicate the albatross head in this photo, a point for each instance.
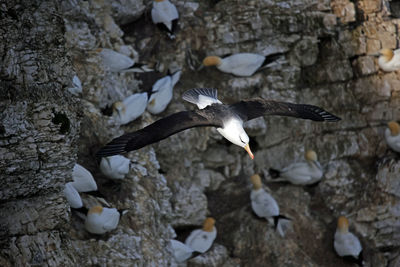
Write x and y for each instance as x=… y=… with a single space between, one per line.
x=343 y=225
x=118 y=107
x=234 y=132
x=386 y=54
x=212 y=61
x=394 y=128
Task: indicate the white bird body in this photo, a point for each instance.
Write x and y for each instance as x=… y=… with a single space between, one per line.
x=302 y=173
x=76 y=88
x=162 y=92
x=83 y=180
x=72 y=196
x=263 y=204
x=389 y=60
x=130 y=108
x=181 y=251
x=347 y=244
x=392 y=136
x=115 y=167
x=200 y=240
x=117 y=62
x=100 y=220
x=242 y=64
x=164 y=12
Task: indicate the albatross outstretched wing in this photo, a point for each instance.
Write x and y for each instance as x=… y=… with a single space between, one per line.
x=257 y=107
x=157 y=131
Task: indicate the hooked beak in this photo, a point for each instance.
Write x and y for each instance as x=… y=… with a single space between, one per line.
x=247 y=148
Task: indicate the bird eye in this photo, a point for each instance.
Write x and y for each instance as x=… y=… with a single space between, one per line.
x=242 y=140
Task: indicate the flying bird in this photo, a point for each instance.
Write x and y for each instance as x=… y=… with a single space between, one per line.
x=117 y=62
x=392 y=136
x=346 y=244
x=300 y=173
x=115 y=167
x=241 y=64
x=130 y=108
x=165 y=15
x=389 y=60
x=227 y=118
x=202 y=239
x=161 y=93
x=265 y=206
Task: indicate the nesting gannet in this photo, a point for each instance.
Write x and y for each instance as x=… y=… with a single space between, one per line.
x=130 y=108
x=265 y=206
x=241 y=64
x=100 y=220
x=115 y=167
x=301 y=173
x=165 y=15
x=76 y=88
x=161 y=93
x=83 y=180
x=392 y=136
x=389 y=60
x=347 y=244
x=227 y=118
x=181 y=251
x=117 y=62
x=72 y=196
x=202 y=239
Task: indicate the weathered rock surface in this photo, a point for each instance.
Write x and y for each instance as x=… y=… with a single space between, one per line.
x=328 y=60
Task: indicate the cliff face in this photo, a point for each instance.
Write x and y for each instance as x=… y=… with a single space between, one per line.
x=175 y=184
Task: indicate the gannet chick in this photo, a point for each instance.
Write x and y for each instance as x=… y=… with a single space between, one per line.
x=117 y=62
x=202 y=239
x=76 y=88
x=165 y=15
x=72 y=196
x=265 y=206
x=347 y=244
x=83 y=180
x=241 y=64
x=100 y=220
x=181 y=251
x=161 y=93
x=115 y=167
x=301 y=173
x=392 y=136
x=389 y=60
x=130 y=108
x=228 y=119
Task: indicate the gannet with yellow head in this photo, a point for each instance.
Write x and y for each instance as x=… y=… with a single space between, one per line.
x=202 y=239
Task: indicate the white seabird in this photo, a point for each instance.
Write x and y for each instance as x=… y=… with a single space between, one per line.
x=301 y=173
x=130 y=108
x=392 y=136
x=83 y=180
x=265 y=206
x=181 y=251
x=241 y=64
x=389 y=60
x=161 y=93
x=72 y=196
x=227 y=118
x=347 y=244
x=117 y=62
x=100 y=220
x=202 y=239
x=165 y=15
x=76 y=88
x=115 y=167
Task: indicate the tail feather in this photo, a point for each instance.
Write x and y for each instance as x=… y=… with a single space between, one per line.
x=274 y=173
x=271 y=58
x=201 y=97
x=280 y=227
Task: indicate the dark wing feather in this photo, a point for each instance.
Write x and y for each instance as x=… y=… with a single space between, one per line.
x=257 y=107
x=157 y=131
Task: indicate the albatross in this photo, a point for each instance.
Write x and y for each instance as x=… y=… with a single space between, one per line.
x=228 y=119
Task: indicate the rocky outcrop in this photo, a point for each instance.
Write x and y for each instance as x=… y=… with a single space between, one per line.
x=173 y=185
